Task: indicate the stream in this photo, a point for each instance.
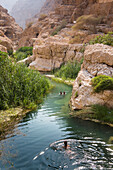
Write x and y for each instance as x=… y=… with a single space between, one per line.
x=36 y=142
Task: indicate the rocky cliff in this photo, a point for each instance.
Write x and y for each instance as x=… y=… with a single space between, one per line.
x=26 y=9
x=68 y=10
x=8 y=25
x=98 y=60
x=50 y=5
x=50 y=53
x=5 y=43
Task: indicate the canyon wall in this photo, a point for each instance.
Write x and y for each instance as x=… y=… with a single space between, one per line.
x=98 y=60
x=8 y=25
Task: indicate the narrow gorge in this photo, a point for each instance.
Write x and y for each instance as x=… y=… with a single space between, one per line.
x=71 y=42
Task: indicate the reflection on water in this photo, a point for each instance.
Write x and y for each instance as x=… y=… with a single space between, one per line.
x=80 y=154
x=32 y=144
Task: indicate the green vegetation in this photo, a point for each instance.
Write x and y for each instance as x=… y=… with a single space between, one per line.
x=76 y=94
x=70 y=70
x=23 y=53
x=10 y=52
x=87 y=20
x=69 y=82
x=59 y=28
x=102 y=113
x=20 y=86
x=96 y=113
x=101 y=83
x=106 y=39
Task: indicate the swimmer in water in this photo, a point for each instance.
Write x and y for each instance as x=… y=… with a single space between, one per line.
x=66 y=145
x=64 y=93
x=60 y=93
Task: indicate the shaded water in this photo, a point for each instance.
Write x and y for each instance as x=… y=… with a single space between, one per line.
x=37 y=141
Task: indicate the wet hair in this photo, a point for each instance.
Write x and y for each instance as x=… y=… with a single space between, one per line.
x=65 y=144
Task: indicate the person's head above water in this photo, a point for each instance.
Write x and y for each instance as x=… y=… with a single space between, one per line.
x=65 y=144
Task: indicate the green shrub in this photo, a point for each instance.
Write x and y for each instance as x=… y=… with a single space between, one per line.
x=20 y=56
x=3 y=54
x=23 y=53
x=10 y=52
x=76 y=94
x=102 y=113
x=101 y=83
x=106 y=39
x=28 y=50
x=70 y=70
x=88 y=20
x=20 y=86
x=59 y=28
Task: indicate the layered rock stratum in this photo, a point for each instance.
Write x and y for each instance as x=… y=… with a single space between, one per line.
x=8 y=25
x=5 y=43
x=56 y=11
x=98 y=60
x=50 y=53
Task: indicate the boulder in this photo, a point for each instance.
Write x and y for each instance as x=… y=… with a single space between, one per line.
x=52 y=52
x=5 y=41
x=98 y=60
x=8 y=25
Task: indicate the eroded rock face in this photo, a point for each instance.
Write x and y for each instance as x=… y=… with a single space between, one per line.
x=52 y=52
x=5 y=43
x=98 y=60
x=68 y=10
x=8 y=25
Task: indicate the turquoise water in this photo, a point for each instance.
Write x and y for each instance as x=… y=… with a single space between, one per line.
x=37 y=141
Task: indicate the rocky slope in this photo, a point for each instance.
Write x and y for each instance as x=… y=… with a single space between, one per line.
x=5 y=43
x=8 y=25
x=50 y=53
x=98 y=60
x=68 y=10
x=50 y=5
x=26 y=9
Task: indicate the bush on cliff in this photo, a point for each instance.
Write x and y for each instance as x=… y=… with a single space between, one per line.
x=106 y=39
x=20 y=86
x=70 y=70
x=23 y=53
x=101 y=83
x=59 y=28
x=88 y=21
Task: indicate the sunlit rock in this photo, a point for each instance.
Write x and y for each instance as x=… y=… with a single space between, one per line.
x=98 y=60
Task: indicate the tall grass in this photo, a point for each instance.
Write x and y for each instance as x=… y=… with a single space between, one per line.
x=20 y=86
x=102 y=113
x=70 y=70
